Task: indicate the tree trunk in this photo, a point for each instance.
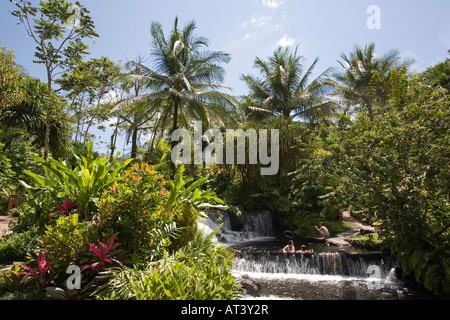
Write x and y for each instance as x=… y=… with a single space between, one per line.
x=114 y=140
x=79 y=111
x=370 y=110
x=47 y=116
x=175 y=116
x=87 y=131
x=173 y=143
x=134 y=143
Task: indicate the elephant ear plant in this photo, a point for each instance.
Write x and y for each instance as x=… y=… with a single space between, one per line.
x=83 y=183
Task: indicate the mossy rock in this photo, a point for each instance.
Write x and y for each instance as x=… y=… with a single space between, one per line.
x=370 y=241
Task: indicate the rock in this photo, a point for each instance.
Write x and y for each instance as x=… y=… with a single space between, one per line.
x=340 y=242
x=250 y=287
x=237 y=217
x=314 y=239
x=365 y=231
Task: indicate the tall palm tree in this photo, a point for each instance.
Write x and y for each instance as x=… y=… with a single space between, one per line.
x=184 y=83
x=283 y=89
x=363 y=79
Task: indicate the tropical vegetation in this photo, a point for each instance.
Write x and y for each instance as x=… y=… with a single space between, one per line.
x=369 y=136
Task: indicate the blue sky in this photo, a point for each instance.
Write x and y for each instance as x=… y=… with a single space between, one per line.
x=250 y=28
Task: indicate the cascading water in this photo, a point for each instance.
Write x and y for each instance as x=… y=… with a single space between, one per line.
x=325 y=275
x=330 y=263
x=319 y=275
x=257 y=225
x=225 y=234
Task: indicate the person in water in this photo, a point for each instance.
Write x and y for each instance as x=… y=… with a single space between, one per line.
x=303 y=250
x=323 y=230
x=289 y=247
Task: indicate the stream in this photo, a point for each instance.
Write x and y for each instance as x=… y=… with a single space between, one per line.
x=328 y=273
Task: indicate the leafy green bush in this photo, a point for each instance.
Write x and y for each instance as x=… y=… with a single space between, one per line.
x=10 y=282
x=67 y=243
x=186 y=199
x=6 y=173
x=84 y=183
x=18 y=245
x=36 y=211
x=199 y=271
x=133 y=207
x=427 y=262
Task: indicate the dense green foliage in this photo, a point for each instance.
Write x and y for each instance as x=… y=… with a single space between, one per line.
x=397 y=175
x=134 y=209
x=84 y=183
x=17 y=246
x=373 y=138
x=184 y=275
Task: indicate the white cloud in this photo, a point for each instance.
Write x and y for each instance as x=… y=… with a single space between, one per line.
x=271 y=3
x=112 y=121
x=256 y=21
x=110 y=97
x=286 y=41
x=246 y=37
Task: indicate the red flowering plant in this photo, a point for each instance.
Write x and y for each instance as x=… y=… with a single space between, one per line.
x=67 y=207
x=105 y=252
x=40 y=276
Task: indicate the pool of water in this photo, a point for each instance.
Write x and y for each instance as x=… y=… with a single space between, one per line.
x=325 y=287
x=294 y=277
x=277 y=244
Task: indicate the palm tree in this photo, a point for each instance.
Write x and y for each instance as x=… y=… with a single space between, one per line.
x=27 y=117
x=284 y=90
x=184 y=83
x=363 y=80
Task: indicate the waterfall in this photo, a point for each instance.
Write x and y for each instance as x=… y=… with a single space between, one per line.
x=208 y=225
x=258 y=224
x=342 y=264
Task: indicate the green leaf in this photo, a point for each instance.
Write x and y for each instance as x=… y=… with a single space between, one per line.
x=196 y=184
x=39 y=179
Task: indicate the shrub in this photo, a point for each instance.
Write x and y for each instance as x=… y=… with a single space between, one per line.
x=36 y=210
x=133 y=207
x=105 y=254
x=11 y=282
x=18 y=245
x=185 y=218
x=40 y=274
x=185 y=200
x=84 y=183
x=199 y=271
x=67 y=243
